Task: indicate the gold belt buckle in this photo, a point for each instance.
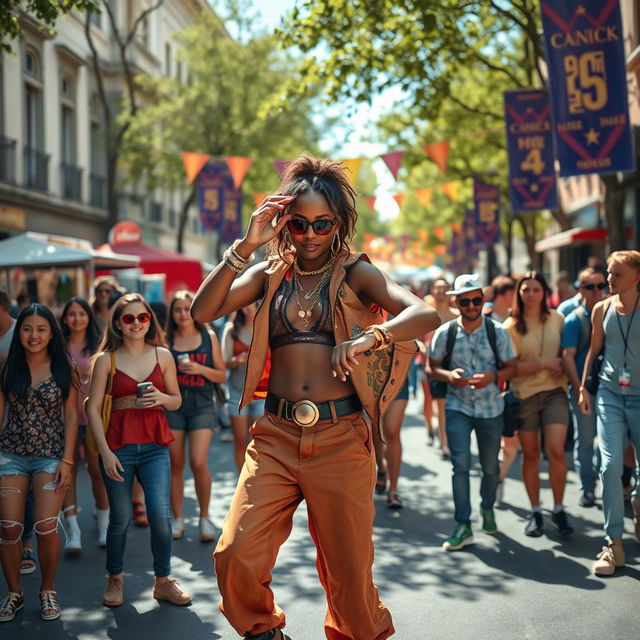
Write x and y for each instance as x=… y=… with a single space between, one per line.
x=305 y=413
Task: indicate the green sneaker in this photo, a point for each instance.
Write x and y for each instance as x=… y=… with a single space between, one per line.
x=488 y=521
x=461 y=537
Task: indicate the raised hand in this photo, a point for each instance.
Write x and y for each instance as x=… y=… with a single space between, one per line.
x=264 y=224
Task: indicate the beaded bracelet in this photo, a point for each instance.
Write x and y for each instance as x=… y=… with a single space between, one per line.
x=234 y=260
x=382 y=335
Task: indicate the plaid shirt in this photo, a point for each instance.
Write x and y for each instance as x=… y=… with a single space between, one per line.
x=472 y=352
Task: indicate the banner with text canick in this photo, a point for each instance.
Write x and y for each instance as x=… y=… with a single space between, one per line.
x=587 y=73
x=532 y=179
x=219 y=202
x=486 y=200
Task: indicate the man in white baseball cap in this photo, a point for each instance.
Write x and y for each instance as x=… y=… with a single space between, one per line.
x=472 y=355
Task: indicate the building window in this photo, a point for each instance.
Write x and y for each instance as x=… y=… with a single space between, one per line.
x=95 y=18
x=172 y=218
x=179 y=71
x=68 y=119
x=32 y=63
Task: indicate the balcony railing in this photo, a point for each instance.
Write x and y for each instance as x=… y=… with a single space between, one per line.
x=36 y=169
x=155 y=211
x=7 y=159
x=98 y=196
x=71 y=181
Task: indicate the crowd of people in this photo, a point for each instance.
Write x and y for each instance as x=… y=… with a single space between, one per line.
x=309 y=367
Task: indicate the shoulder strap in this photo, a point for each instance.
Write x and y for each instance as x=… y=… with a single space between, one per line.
x=112 y=371
x=585 y=328
x=451 y=340
x=493 y=341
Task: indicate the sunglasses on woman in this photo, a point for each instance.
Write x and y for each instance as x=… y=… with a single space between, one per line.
x=592 y=287
x=320 y=227
x=465 y=302
x=142 y=318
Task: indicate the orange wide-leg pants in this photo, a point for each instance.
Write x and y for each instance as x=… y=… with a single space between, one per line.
x=331 y=466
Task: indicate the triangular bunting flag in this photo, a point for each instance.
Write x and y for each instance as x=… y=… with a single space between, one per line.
x=393 y=161
x=423 y=234
x=352 y=165
x=441 y=249
x=258 y=198
x=371 y=202
x=456 y=226
x=399 y=198
x=280 y=166
x=438 y=232
x=424 y=195
x=451 y=190
x=238 y=167
x=193 y=163
x=439 y=153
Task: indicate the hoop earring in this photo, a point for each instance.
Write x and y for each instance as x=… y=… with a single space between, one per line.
x=335 y=249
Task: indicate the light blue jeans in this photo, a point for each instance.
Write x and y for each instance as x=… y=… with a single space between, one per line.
x=586 y=457
x=488 y=433
x=150 y=463
x=618 y=418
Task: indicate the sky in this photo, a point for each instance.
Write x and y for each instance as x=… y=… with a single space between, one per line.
x=358 y=128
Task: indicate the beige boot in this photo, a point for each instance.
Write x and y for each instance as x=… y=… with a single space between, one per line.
x=171 y=591
x=609 y=559
x=113 y=592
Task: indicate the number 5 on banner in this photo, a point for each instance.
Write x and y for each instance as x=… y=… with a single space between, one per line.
x=586 y=82
x=533 y=162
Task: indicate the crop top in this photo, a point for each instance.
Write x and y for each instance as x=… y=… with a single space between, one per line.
x=282 y=332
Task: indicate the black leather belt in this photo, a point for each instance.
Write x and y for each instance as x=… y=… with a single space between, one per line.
x=306 y=413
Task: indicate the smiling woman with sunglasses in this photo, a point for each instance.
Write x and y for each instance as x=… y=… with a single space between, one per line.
x=331 y=357
x=137 y=440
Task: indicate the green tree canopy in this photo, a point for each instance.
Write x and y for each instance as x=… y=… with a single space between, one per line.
x=46 y=11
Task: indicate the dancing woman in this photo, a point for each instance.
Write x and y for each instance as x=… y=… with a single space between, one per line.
x=330 y=358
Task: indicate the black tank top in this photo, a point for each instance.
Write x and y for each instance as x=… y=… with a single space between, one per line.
x=202 y=355
x=282 y=332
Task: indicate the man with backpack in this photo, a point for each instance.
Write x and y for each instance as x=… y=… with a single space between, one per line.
x=472 y=356
x=576 y=338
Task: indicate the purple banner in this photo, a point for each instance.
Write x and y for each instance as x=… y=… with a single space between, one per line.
x=587 y=74
x=219 y=202
x=532 y=179
x=469 y=231
x=486 y=200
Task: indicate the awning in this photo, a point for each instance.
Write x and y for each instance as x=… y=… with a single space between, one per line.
x=576 y=236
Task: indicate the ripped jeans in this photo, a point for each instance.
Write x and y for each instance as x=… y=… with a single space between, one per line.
x=15 y=465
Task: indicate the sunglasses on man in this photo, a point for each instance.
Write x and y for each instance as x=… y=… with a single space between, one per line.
x=320 y=227
x=592 y=287
x=465 y=302
x=142 y=318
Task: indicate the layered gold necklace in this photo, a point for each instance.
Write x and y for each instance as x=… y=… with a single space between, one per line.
x=322 y=269
x=313 y=295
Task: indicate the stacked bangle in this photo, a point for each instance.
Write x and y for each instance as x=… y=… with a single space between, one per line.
x=234 y=260
x=382 y=335
x=69 y=462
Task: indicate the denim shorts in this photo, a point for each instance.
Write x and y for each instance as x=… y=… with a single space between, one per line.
x=254 y=409
x=180 y=421
x=13 y=465
x=403 y=394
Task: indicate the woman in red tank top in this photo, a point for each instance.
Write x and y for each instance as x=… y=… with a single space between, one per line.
x=137 y=440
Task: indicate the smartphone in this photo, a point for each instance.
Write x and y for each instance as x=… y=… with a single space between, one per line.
x=141 y=389
x=183 y=358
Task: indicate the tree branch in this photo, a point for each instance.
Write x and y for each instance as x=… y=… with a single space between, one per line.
x=139 y=20
x=95 y=63
x=480 y=112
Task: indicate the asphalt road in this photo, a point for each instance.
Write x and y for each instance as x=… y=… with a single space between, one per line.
x=502 y=587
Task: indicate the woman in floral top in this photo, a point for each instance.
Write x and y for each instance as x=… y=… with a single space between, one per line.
x=39 y=384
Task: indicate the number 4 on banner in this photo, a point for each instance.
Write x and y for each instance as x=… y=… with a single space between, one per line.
x=533 y=162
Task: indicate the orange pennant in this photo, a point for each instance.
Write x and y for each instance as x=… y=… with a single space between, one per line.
x=423 y=234
x=193 y=163
x=457 y=227
x=424 y=195
x=238 y=167
x=439 y=153
x=399 y=198
x=451 y=190
x=438 y=232
x=441 y=249
x=352 y=166
x=258 y=198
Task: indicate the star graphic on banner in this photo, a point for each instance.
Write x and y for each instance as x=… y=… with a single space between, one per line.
x=534 y=188
x=580 y=11
x=593 y=136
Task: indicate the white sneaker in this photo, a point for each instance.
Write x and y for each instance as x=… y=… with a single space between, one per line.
x=102 y=518
x=177 y=528
x=72 y=543
x=207 y=530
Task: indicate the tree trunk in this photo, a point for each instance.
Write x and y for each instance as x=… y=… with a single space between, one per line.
x=528 y=230
x=112 y=193
x=184 y=213
x=614 y=212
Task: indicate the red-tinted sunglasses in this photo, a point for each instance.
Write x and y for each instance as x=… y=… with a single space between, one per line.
x=320 y=227
x=142 y=318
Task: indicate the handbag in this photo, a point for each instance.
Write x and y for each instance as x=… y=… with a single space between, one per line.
x=512 y=419
x=105 y=410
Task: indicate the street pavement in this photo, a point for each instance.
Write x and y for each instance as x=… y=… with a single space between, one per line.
x=502 y=587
